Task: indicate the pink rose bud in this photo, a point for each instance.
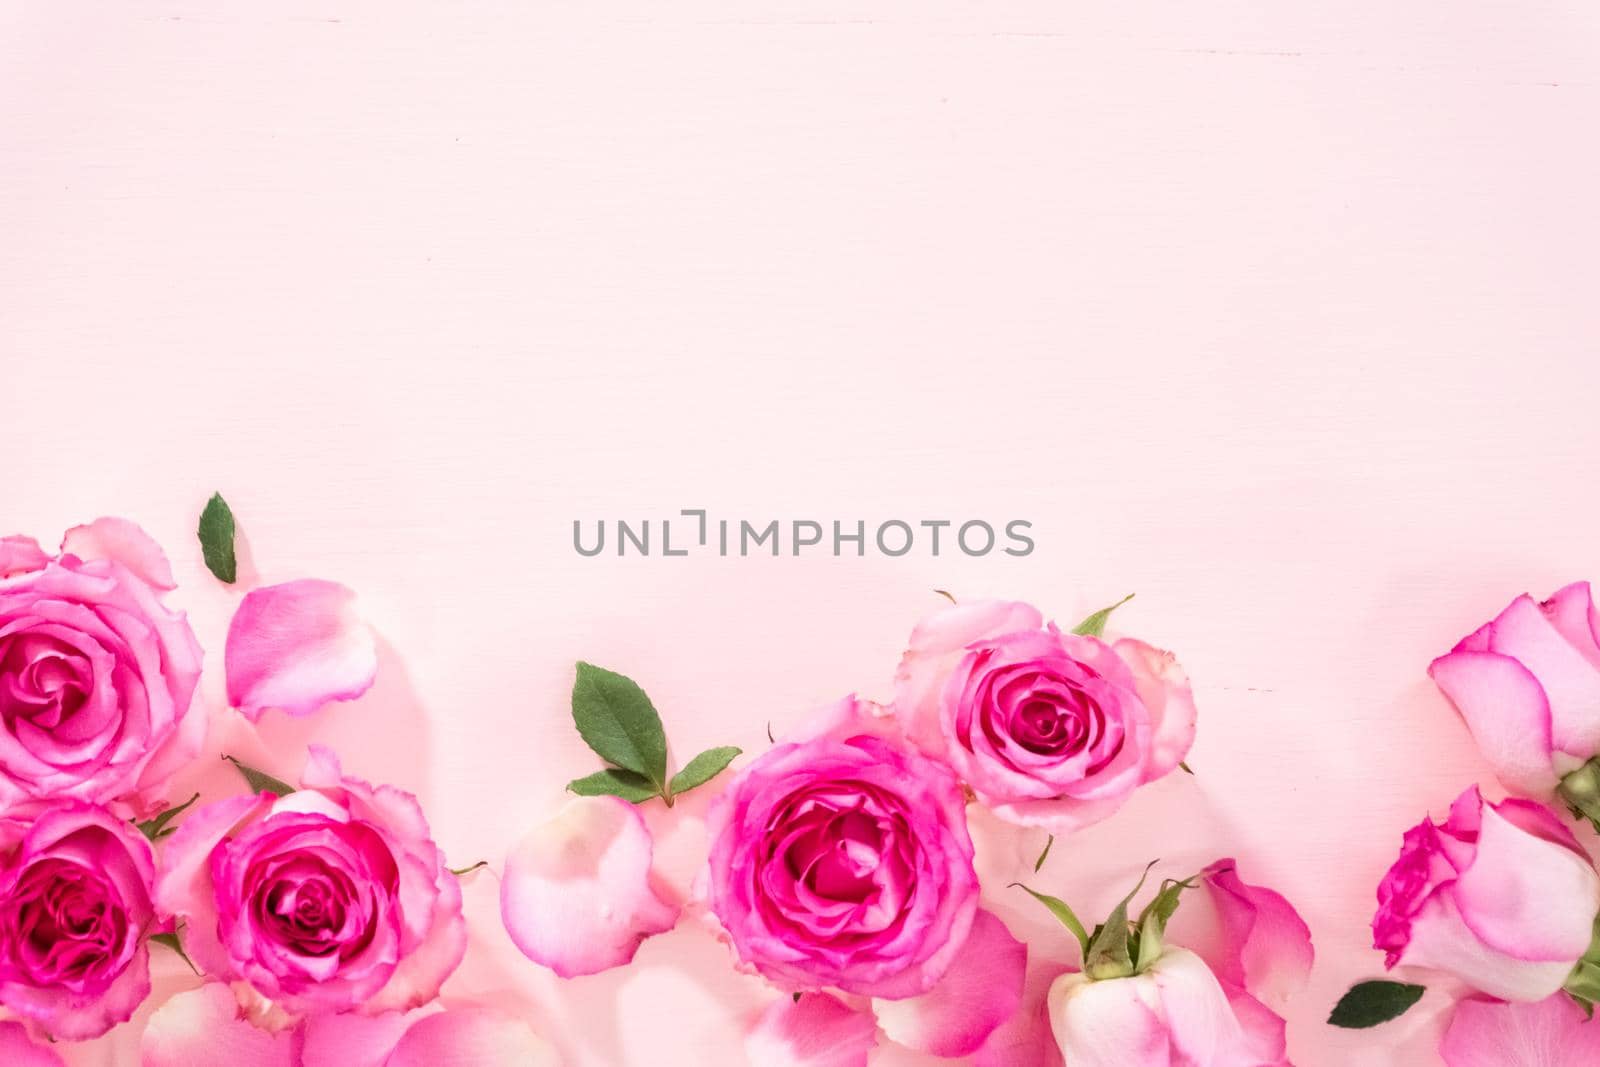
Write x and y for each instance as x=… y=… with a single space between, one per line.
x=1048 y=729
x=1528 y=686
x=1500 y=896
x=1229 y=959
x=97 y=676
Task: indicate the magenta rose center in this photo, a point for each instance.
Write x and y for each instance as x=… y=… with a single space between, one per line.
x=43 y=681
x=63 y=923
x=1047 y=714
x=839 y=863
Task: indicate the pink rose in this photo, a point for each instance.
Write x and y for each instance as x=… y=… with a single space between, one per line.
x=1229 y=959
x=333 y=898
x=843 y=860
x=1545 y=1033
x=1048 y=729
x=1500 y=896
x=75 y=908
x=96 y=675
x=1528 y=686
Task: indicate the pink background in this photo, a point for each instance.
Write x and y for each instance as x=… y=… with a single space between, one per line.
x=1282 y=317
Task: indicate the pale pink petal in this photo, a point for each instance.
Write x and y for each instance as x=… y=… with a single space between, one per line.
x=1570 y=681
x=1025 y=1039
x=576 y=896
x=19 y=555
x=121 y=542
x=937 y=644
x=1250 y=937
x=1200 y=1021
x=352 y=1040
x=1440 y=940
x=204 y=1028
x=814 y=1031
x=471 y=1037
x=296 y=647
x=1553 y=1032
x=17 y=1049
x=1571 y=611
x=980 y=991
x=1526 y=897
x=1111 y=1023
x=1505 y=709
x=1164 y=688
x=183 y=883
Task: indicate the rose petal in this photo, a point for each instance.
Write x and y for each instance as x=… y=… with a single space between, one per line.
x=17 y=1049
x=1571 y=611
x=204 y=1028
x=1249 y=936
x=1570 y=682
x=1164 y=687
x=471 y=1037
x=815 y=1031
x=19 y=555
x=980 y=991
x=1200 y=1021
x=576 y=896
x=1548 y=1033
x=1025 y=1039
x=1110 y=1023
x=1442 y=941
x=352 y=1040
x=121 y=542
x=296 y=647
x=1525 y=897
x=936 y=644
x=1506 y=711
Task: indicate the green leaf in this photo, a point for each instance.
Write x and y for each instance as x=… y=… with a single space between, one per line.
x=701 y=769
x=1370 y=1003
x=156 y=828
x=1040 y=861
x=1059 y=909
x=619 y=723
x=1107 y=955
x=172 y=942
x=1152 y=924
x=612 y=782
x=216 y=539
x=1095 y=625
x=261 y=781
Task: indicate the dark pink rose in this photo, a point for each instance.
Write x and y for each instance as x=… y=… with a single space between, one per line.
x=96 y=675
x=333 y=898
x=75 y=908
x=843 y=861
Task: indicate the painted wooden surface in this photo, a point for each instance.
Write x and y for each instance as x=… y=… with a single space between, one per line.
x=1282 y=316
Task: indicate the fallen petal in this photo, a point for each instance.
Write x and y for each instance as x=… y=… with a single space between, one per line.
x=471 y=1037
x=576 y=896
x=296 y=647
x=981 y=990
x=815 y=1031
x=18 y=1050
x=1546 y=1033
x=204 y=1028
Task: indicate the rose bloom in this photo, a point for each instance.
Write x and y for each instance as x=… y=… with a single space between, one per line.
x=75 y=908
x=96 y=675
x=1500 y=896
x=1232 y=955
x=1527 y=683
x=333 y=898
x=842 y=860
x=1048 y=728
